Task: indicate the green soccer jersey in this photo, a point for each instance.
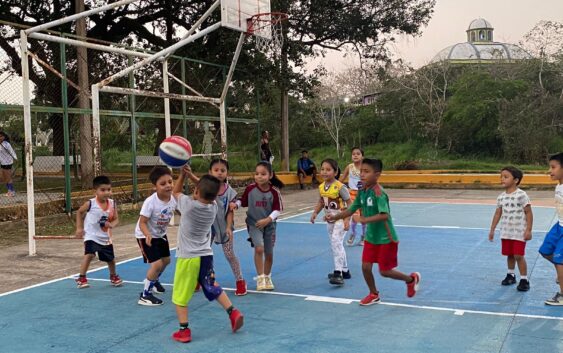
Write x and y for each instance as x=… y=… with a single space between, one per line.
x=373 y=202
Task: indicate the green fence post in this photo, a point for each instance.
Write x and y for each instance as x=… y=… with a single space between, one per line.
x=184 y=108
x=66 y=132
x=133 y=134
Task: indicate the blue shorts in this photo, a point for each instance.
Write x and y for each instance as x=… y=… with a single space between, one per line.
x=553 y=244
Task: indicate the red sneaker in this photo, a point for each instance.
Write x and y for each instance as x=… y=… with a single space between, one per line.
x=183 y=336
x=81 y=282
x=237 y=320
x=412 y=287
x=241 y=287
x=372 y=298
x=115 y=280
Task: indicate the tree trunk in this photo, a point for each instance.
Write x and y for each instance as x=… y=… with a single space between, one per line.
x=285 y=130
x=86 y=143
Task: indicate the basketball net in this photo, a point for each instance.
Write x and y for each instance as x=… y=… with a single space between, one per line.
x=267 y=29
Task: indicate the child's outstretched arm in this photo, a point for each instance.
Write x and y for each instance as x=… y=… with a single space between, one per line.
x=529 y=222
x=344 y=214
x=179 y=184
x=496 y=219
x=80 y=214
x=230 y=221
x=318 y=207
x=345 y=173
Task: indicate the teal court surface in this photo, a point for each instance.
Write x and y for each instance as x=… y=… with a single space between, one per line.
x=461 y=306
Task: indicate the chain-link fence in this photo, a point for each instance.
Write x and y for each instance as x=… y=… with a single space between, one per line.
x=131 y=126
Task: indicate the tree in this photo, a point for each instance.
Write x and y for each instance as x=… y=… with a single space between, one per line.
x=316 y=26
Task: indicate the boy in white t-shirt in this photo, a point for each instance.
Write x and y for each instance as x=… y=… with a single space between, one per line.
x=150 y=232
x=514 y=211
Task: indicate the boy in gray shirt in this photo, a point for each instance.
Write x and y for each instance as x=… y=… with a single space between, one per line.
x=194 y=263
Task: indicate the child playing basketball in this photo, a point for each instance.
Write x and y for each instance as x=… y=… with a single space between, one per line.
x=381 y=242
x=334 y=197
x=352 y=172
x=194 y=262
x=94 y=221
x=150 y=232
x=264 y=203
x=552 y=247
x=515 y=215
x=224 y=223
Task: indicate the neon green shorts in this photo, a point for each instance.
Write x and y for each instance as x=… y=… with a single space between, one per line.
x=185 y=280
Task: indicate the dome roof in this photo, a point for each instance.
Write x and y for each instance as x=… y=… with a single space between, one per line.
x=479 y=24
x=494 y=51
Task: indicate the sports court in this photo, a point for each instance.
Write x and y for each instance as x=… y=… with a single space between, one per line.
x=461 y=306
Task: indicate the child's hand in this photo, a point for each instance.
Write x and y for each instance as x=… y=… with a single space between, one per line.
x=232 y=206
x=528 y=235
x=186 y=170
x=79 y=233
x=330 y=218
x=230 y=234
x=148 y=240
x=492 y=235
x=313 y=216
x=261 y=224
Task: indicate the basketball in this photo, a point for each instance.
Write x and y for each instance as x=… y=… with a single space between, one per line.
x=175 y=151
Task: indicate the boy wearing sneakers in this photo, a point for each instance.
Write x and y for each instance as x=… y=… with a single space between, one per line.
x=194 y=262
x=94 y=221
x=515 y=215
x=156 y=213
x=381 y=242
x=552 y=247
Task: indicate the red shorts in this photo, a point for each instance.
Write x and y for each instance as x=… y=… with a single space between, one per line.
x=513 y=247
x=385 y=255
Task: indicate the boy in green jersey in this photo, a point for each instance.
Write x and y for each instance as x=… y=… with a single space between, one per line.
x=381 y=241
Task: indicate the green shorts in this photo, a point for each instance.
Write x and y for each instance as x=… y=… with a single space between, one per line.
x=185 y=280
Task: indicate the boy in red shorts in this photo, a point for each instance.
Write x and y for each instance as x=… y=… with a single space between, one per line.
x=515 y=215
x=381 y=242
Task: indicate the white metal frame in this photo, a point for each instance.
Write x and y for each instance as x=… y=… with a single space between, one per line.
x=104 y=86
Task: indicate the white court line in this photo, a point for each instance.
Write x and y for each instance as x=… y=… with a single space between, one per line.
x=104 y=267
x=337 y=300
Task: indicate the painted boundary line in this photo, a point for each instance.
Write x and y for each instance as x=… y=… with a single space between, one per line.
x=336 y=300
x=104 y=267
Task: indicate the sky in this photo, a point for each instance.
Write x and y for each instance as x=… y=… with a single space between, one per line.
x=511 y=19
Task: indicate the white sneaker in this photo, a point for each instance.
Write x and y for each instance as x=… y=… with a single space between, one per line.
x=260 y=283
x=268 y=284
x=556 y=300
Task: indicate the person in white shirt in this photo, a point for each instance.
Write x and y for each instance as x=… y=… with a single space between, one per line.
x=156 y=213
x=7 y=158
x=514 y=211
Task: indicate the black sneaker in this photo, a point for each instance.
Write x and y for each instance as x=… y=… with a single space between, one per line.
x=524 y=285
x=346 y=275
x=336 y=278
x=508 y=280
x=149 y=300
x=158 y=288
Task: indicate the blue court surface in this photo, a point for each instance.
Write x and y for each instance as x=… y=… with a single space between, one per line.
x=461 y=306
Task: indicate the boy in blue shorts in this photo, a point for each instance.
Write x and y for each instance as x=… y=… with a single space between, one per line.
x=194 y=264
x=552 y=247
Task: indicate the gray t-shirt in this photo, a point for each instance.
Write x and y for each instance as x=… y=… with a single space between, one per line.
x=220 y=224
x=260 y=203
x=194 y=234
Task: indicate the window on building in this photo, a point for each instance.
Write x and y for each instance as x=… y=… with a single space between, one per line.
x=482 y=35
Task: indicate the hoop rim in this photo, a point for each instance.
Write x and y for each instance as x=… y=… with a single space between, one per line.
x=259 y=21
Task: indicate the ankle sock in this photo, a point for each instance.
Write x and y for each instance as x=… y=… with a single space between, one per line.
x=183 y=325
x=524 y=277
x=230 y=310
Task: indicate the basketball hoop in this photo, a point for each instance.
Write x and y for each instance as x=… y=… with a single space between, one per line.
x=267 y=30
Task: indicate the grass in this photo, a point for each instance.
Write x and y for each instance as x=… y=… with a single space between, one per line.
x=417 y=157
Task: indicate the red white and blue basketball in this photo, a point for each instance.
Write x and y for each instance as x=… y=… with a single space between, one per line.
x=175 y=151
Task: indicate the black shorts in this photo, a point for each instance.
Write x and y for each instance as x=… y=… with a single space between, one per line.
x=307 y=171
x=159 y=248
x=7 y=166
x=105 y=252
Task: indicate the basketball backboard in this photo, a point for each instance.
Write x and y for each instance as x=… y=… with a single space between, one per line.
x=236 y=13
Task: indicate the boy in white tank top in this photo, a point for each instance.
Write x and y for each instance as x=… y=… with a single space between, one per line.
x=94 y=221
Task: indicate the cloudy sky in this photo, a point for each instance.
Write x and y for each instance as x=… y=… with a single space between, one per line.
x=511 y=19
